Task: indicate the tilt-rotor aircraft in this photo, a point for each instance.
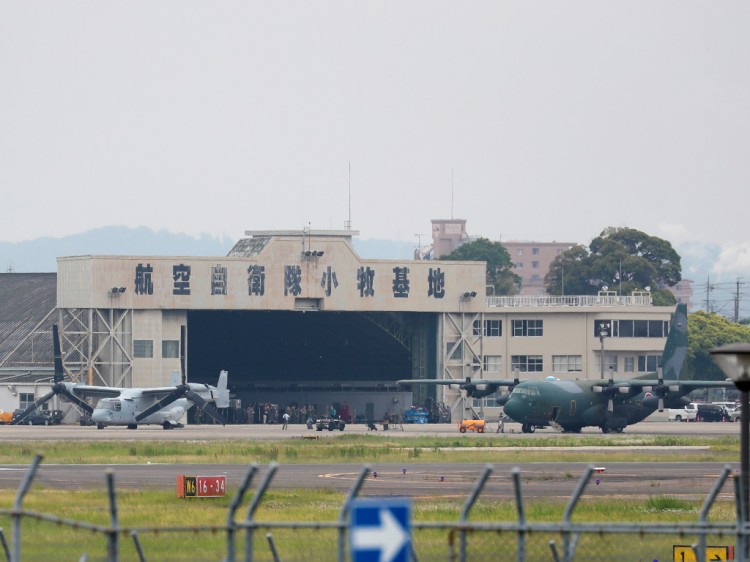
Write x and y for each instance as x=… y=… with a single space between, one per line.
x=611 y=405
x=131 y=407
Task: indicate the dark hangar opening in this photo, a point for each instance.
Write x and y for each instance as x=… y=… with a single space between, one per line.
x=281 y=348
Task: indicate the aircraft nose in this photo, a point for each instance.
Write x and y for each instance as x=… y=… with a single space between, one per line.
x=513 y=409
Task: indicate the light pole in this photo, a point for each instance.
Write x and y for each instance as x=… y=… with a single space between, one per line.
x=603 y=333
x=734 y=360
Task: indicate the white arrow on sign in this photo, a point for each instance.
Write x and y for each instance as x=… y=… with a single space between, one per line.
x=389 y=538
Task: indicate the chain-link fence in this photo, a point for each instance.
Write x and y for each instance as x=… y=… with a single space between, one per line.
x=249 y=539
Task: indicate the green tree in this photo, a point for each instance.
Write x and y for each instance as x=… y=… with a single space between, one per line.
x=499 y=266
x=622 y=258
x=707 y=331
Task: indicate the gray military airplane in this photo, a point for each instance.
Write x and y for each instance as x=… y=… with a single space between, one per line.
x=609 y=404
x=131 y=407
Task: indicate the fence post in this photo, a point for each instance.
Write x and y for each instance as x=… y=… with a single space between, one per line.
x=22 y=491
x=710 y=499
x=346 y=508
x=272 y=468
x=114 y=525
x=138 y=547
x=516 y=474
x=568 y=545
x=468 y=504
x=740 y=518
x=236 y=501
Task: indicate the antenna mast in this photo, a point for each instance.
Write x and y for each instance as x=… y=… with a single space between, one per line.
x=451 y=194
x=348 y=225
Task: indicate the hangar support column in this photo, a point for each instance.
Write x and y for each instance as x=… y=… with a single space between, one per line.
x=97 y=345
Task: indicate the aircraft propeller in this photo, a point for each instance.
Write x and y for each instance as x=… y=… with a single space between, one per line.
x=661 y=390
x=58 y=387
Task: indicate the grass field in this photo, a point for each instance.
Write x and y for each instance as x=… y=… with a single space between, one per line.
x=191 y=529
x=364 y=448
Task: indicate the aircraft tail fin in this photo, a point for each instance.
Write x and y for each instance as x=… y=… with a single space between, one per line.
x=59 y=369
x=676 y=349
x=222 y=397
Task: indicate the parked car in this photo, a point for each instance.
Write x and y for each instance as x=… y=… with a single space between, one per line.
x=330 y=424
x=710 y=413
x=37 y=417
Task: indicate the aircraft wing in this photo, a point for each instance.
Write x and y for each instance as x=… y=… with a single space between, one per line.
x=96 y=391
x=461 y=382
x=683 y=384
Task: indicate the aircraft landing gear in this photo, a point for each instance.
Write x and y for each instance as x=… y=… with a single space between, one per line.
x=100 y=425
x=528 y=428
x=132 y=426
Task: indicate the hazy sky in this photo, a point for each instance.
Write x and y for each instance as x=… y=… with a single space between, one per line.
x=532 y=120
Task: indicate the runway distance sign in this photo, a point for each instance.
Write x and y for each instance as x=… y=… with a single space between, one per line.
x=201 y=486
x=684 y=553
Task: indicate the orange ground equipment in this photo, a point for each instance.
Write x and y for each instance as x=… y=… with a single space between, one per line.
x=473 y=425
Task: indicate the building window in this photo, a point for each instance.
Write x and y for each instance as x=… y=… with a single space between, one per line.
x=519 y=265
x=528 y=328
x=535 y=251
x=633 y=328
x=493 y=328
x=143 y=349
x=647 y=363
x=493 y=363
x=610 y=363
x=567 y=363
x=476 y=328
x=535 y=265
x=26 y=399
x=629 y=364
x=170 y=349
x=457 y=354
x=485 y=402
x=519 y=252
x=527 y=363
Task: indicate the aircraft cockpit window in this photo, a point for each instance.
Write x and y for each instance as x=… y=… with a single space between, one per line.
x=115 y=405
x=527 y=391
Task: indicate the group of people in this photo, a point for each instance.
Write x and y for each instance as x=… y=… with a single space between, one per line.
x=269 y=413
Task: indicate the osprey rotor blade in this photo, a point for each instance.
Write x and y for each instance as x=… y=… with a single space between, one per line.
x=73 y=398
x=207 y=407
x=59 y=369
x=166 y=401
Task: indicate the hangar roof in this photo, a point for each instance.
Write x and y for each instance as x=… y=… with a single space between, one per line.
x=27 y=303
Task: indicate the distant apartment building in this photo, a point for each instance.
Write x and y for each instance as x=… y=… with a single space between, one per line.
x=531 y=261
x=447 y=235
x=683 y=292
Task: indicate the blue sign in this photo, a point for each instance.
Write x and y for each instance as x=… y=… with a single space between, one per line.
x=379 y=530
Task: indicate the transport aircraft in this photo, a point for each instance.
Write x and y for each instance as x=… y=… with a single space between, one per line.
x=131 y=407
x=610 y=404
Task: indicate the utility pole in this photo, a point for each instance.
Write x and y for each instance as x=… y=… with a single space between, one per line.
x=709 y=288
x=737 y=300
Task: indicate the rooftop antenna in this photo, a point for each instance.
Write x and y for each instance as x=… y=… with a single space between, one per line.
x=451 y=194
x=348 y=224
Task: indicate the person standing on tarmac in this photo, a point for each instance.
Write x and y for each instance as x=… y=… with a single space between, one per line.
x=286 y=420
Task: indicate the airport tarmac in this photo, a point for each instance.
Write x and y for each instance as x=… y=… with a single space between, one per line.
x=656 y=425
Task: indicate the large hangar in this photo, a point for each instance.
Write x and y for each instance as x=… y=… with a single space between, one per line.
x=294 y=316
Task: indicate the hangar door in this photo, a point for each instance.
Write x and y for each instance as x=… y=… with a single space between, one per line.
x=279 y=350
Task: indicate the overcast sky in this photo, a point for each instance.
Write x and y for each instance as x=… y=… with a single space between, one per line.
x=532 y=120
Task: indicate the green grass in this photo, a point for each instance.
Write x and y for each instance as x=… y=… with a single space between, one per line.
x=147 y=508
x=161 y=509
x=366 y=448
